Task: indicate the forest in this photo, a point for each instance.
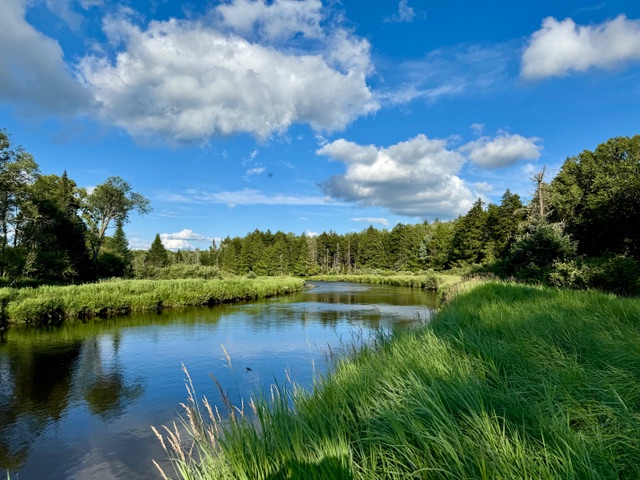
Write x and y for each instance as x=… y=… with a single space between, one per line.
x=580 y=229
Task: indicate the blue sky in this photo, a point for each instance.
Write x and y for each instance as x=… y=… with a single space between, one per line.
x=310 y=115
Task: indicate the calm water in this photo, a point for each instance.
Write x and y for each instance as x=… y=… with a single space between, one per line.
x=77 y=401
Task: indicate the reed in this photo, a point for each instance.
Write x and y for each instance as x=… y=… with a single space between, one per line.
x=508 y=381
x=431 y=281
x=50 y=305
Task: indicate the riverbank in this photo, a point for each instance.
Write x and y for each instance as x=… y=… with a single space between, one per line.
x=508 y=381
x=432 y=281
x=48 y=305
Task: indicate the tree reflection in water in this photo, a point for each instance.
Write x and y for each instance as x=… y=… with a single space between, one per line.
x=37 y=387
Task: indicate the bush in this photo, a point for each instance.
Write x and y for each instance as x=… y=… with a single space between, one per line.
x=534 y=253
x=618 y=274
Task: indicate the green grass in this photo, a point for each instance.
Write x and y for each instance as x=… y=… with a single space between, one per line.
x=432 y=281
x=49 y=305
x=508 y=381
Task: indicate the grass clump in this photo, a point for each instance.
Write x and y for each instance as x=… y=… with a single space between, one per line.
x=51 y=304
x=508 y=381
x=430 y=281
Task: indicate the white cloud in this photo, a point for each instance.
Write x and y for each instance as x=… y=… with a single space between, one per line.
x=185 y=234
x=62 y=9
x=279 y=20
x=562 y=47
x=255 y=171
x=502 y=150
x=477 y=128
x=449 y=72
x=136 y=243
x=190 y=80
x=246 y=196
x=33 y=72
x=418 y=177
x=483 y=187
x=176 y=244
x=381 y=221
x=310 y=233
x=182 y=240
x=405 y=13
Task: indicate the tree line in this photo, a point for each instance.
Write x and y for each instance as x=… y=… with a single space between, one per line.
x=581 y=229
x=53 y=231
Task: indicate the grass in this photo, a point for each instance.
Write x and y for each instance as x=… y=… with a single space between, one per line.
x=508 y=381
x=50 y=305
x=432 y=281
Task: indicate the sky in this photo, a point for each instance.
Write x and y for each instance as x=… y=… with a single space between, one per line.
x=313 y=115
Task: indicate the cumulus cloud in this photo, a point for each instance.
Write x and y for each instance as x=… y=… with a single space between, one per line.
x=381 y=221
x=405 y=13
x=33 y=72
x=502 y=150
x=191 y=80
x=418 y=177
x=562 y=47
x=181 y=240
x=278 y=20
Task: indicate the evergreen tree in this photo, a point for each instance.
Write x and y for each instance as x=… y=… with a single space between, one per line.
x=52 y=232
x=120 y=247
x=157 y=255
x=470 y=236
x=371 y=251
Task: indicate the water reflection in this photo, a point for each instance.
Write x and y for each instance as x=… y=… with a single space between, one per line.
x=77 y=400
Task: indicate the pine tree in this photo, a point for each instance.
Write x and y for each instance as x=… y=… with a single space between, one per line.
x=157 y=255
x=120 y=246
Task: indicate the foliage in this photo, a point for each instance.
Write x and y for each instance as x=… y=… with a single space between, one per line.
x=617 y=274
x=110 y=201
x=597 y=195
x=540 y=245
x=508 y=381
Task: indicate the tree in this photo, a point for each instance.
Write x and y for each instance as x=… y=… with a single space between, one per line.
x=115 y=260
x=437 y=245
x=597 y=195
x=111 y=201
x=470 y=235
x=503 y=222
x=18 y=170
x=371 y=251
x=157 y=255
x=52 y=232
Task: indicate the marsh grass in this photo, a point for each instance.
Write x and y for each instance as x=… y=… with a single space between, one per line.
x=47 y=305
x=432 y=281
x=508 y=381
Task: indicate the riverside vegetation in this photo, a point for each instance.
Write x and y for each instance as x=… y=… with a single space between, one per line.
x=47 y=305
x=508 y=381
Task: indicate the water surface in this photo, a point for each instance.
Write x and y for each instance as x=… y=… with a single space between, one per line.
x=77 y=401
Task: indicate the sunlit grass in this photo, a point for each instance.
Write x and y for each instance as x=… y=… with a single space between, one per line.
x=508 y=381
x=49 y=304
x=431 y=281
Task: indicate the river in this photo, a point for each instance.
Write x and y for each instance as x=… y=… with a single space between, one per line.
x=77 y=401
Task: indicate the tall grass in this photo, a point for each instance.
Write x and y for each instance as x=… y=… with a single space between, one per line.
x=431 y=281
x=49 y=305
x=508 y=381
